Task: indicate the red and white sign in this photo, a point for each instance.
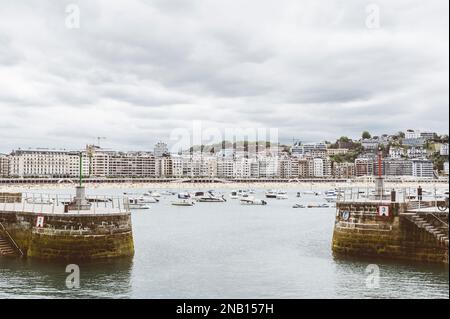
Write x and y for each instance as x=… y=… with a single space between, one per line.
x=40 y=221
x=383 y=211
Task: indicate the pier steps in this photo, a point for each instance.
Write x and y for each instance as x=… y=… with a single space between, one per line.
x=6 y=249
x=439 y=232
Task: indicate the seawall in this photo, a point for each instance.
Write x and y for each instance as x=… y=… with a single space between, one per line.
x=404 y=234
x=70 y=235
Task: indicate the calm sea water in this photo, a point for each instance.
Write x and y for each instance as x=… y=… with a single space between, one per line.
x=225 y=250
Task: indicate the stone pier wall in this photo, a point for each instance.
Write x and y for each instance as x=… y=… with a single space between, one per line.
x=365 y=234
x=71 y=236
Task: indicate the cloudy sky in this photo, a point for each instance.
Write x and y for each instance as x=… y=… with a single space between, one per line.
x=136 y=71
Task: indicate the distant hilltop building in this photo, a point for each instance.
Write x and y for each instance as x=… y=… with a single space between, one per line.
x=444 y=149
x=300 y=149
x=160 y=149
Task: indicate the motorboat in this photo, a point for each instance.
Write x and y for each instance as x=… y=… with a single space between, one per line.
x=271 y=194
x=237 y=194
x=208 y=197
x=152 y=194
x=148 y=199
x=234 y=195
x=318 y=205
x=250 y=200
x=299 y=206
x=311 y=193
x=167 y=193
x=299 y=194
x=282 y=195
x=184 y=199
x=183 y=202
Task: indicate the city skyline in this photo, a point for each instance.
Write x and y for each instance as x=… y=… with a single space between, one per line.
x=136 y=72
x=145 y=148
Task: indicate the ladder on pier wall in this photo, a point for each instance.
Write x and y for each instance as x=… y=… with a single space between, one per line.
x=6 y=248
x=439 y=232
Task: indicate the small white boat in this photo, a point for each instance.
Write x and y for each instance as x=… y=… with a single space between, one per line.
x=134 y=203
x=250 y=200
x=183 y=202
x=311 y=193
x=299 y=206
x=282 y=195
x=234 y=195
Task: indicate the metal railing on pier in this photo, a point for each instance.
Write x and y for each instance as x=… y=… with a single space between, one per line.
x=415 y=198
x=61 y=204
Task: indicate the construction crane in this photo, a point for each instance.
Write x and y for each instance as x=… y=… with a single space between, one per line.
x=99 y=138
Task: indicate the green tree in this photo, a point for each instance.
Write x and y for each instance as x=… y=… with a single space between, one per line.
x=366 y=134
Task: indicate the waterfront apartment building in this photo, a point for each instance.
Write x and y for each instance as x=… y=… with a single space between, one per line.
x=344 y=170
x=133 y=165
x=44 y=163
x=364 y=166
x=395 y=167
x=422 y=168
x=4 y=165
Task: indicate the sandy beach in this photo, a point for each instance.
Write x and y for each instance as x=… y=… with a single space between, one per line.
x=231 y=186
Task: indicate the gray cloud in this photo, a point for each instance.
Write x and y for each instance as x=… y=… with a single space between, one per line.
x=134 y=72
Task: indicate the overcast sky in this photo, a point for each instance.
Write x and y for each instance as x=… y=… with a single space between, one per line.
x=136 y=70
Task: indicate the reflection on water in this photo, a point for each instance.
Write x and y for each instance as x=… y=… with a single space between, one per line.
x=225 y=250
x=397 y=279
x=30 y=278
